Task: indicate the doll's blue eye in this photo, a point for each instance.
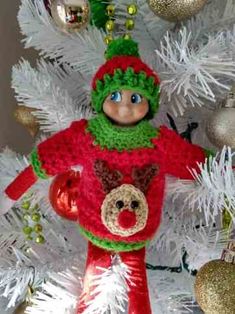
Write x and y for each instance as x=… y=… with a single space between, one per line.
x=116 y=97
x=136 y=98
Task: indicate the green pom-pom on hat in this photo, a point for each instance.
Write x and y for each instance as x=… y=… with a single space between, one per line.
x=122 y=47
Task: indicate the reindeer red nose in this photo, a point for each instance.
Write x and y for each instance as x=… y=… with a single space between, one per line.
x=127 y=219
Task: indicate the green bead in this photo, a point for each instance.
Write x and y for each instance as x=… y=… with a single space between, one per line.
x=27 y=230
x=26 y=205
x=130 y=24
x=38 y=228
x=40 y=239
x=110 y=10
x=127 y=36
x=29 y=238
x=132 y=9
x=108 y=39
x=36 y=217
x=109 y=26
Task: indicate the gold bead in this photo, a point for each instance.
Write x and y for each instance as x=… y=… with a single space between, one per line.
x=26 y=205
x=38 y=228
x=27 y=230
x=132 y=9
x=40 y=239
x=110 y=10
x=36 y=217
x=127 y=36
x=130 y=24
x=108 y=39
x=109 y=26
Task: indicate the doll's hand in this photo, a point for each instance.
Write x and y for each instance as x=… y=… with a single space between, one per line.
x=5 y=203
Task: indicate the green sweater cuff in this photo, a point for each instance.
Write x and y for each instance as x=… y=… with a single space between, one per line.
x=37 y=166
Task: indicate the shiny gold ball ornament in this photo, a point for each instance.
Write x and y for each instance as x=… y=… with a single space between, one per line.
x=220 y=128
x=215 y=285
x=24 y=116
x=70 y=15
x=176 y=10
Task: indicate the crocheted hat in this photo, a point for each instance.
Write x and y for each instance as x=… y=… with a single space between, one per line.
x=125 y=70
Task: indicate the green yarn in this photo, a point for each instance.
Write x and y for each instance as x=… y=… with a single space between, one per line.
x=98 y=13
x=112 y=245
x=128 y=80
x=122 y=47
x=37 y=166
x=111 y=137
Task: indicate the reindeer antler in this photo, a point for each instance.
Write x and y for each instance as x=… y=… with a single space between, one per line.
x=109 y=178
x=144 y=175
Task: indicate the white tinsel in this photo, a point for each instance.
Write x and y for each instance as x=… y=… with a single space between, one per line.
x=59 y=294
x=193 y=75
x=213 y=189
x=110 y=289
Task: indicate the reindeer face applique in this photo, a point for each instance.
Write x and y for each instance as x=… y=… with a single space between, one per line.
x=124 y=211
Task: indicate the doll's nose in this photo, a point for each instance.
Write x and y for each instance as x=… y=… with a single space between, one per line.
x=127 y=219
x=124 y=111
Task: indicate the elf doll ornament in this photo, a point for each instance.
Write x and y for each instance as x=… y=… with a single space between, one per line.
x=124 y=161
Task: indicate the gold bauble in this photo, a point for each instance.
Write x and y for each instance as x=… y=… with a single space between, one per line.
x=176 y=10
x=70 y=15
x=24 y=116
x=21 y=309
x=215 y=287
x=220 y=128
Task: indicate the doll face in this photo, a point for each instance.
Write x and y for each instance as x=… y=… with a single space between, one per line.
x=126 y=107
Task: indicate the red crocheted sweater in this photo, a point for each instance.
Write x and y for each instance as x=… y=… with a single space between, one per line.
x=75 y=146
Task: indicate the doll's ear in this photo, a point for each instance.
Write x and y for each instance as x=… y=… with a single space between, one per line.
x=143 y=176
x=109 y=178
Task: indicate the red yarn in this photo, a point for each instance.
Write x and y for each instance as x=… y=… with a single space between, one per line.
x=21 y=183
x=123 y=62
x=127 y=219
x=75 y=146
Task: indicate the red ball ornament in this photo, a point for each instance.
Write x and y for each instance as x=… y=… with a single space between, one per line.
x=64 y=193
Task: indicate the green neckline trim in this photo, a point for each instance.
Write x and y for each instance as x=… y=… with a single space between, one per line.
x=37 y=166
x=109 y=136
x=112 y=245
